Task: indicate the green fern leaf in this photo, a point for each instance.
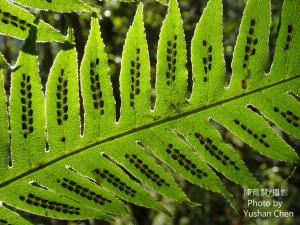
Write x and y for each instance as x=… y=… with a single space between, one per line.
x=64 y=6
x=45 y=202
x=171 y=80
x=62 y=101
x=281 y=109
x=178 y=155
x=112 y=178
x=135 y=75
x=288 y=42
x=213 y=151
x=26 y=104
x=9 y=217
x=82 y=176
x=99 y=105
x=17 y=22
x=207 y=55
x=253 y=128
x=99 y=199
x=56 y=5
x=150 y=173
x=251 y=50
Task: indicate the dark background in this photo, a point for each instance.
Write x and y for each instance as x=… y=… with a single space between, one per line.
x=117 y=17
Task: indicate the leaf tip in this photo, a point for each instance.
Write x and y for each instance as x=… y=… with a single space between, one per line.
x=173 y=4
x=139 y=11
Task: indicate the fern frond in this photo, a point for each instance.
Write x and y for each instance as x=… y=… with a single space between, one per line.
x=99 y=105
x=207 y=56
x=18 y=22
x=62 y=101
x=56 y=5
x=251 y=50
x=135 y=75
x=9 y=217
x=288 y=42
x=82 y=176
x=171 y=80
x=26 y=110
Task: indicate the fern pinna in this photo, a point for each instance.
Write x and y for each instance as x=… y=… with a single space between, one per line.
x=78 y=176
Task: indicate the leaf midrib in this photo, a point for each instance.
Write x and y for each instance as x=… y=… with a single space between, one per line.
x=152 y=124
